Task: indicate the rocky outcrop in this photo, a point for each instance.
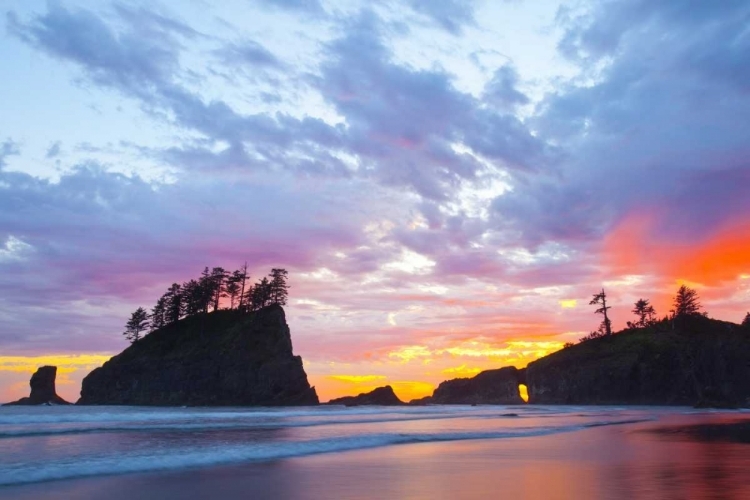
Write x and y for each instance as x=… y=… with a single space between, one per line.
x=382 y=396
x=498 y=387
x=42 y=389
x=691 y=361
x=224 y=358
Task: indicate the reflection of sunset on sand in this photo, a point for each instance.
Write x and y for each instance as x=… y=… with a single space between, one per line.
x=613 y=463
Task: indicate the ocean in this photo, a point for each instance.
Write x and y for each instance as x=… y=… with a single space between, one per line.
x=46 y=445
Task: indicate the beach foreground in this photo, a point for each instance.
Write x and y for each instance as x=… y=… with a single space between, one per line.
x=610 y=454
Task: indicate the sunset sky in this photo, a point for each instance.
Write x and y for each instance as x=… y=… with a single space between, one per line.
x=447 y=181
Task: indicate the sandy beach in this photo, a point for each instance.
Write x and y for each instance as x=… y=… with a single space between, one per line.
x=669 y=458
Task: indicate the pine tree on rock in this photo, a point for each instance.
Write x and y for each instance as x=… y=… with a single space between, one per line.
x=686 y=302
x=645 y=312
x=174 y=303
x=159 y=314
x=241 y=277
x=279 y=290
x=232 y=290
x=601 y=300
x=219 y=277
x=261 y=294
x=137 y=324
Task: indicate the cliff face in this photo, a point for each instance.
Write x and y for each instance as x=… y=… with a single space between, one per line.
x=42 y=388
x=498 y=387
x=699 y=362
x=221 y=359
x=383 y=396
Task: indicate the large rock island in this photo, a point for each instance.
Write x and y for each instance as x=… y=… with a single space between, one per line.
x=225 y=358
x=692 y=360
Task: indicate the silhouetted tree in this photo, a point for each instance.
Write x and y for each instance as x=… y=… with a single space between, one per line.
x=601 y=300
x=686 y=302
x=174 y=303
x=278 y=288
x=159 y=314
x=645 y=312
x=193 y=298
x=137 y=323
x=746 y=321
x=261 y=294
x=241 y=277
x=218 y=277
x=232 y=290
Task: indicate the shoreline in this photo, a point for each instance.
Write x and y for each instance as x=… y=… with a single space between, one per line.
x=564 y=465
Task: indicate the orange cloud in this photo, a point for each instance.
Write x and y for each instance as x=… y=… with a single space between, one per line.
x=632 y=249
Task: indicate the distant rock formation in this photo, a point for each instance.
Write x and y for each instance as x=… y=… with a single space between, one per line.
x=691 y=361
x=42 y=389
x=499 y=387
x=224 y=358
x=382 y=396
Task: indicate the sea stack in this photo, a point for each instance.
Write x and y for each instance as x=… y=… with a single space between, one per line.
x=490 y=387
x=225 y=358
x=42 y=389
x=382 y=396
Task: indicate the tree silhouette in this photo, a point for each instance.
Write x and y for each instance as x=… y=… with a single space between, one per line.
x=686 y=302
x=232 y=290
x=261 y=294
x=137 y=323
x=159 y=314
x=174 y=303
x=601 y=300
x=218 y=277
x=240 y=276
x=279 y=290
x=645 y=312
x=746 y=321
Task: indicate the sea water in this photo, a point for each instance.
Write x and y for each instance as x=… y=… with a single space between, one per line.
x=57 y=442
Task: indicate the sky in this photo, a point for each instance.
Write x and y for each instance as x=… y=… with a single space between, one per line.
x=448 y=182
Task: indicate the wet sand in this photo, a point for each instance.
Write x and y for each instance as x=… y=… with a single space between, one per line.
x=696 y=457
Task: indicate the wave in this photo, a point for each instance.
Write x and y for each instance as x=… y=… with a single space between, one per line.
x=185 y=458
x=210 y=426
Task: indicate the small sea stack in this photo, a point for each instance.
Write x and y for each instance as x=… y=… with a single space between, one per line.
x=42 y=389
x=382 y=396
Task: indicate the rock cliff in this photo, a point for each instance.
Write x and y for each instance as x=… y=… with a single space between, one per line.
x=224 y=358
x=42 y=388
x=498 y=387
x=383 y=396
x=693 y=361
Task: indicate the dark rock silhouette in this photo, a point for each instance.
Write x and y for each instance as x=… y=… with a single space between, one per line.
x=42 y=388
x=225 y=358
x=382 y=396
x=689 y=361
x=498 y=387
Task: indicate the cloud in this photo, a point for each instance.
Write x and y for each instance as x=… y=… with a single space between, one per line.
x=451 y=15
x=53 y=151
x=7 y=149
x=658 y=135
x=248 y=52
x=306 y=6
x=405 y=123
x=502 y=92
